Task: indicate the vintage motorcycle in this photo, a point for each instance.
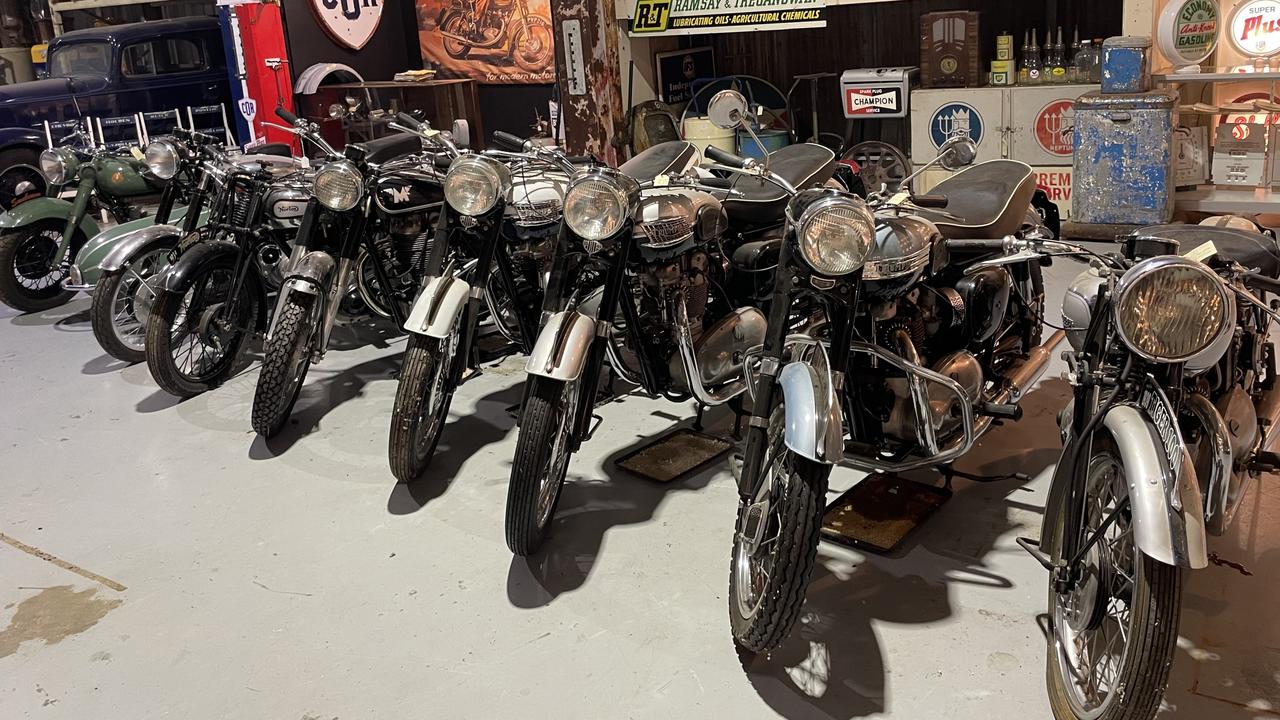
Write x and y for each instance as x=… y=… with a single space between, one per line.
x=639 y=277
x=367 y=228
x=504 y=24
x=507 y=204
x=916 y=347
x=213 y=297
x=1175 y=413
x=41 y=237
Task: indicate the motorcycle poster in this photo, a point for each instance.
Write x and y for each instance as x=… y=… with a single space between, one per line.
x=490 y=41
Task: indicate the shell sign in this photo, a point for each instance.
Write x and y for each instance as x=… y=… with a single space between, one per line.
x=1255 y=28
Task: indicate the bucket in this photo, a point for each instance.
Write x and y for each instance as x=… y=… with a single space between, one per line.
x=699 y=131
x=772 y=140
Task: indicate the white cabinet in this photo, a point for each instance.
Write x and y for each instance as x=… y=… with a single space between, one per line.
x=1027 y=123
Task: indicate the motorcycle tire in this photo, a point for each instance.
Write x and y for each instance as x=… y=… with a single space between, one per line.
x=1154 y=608
x=533 y=26
x=169 y=311
x=111 y=327
x=538 y=469
x=18 y=258
x=798 y=523
x=454 y=48
x=421 y=406
x=19 y=165
x=287 y=357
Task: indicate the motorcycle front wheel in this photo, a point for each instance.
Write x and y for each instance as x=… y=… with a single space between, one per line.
x=540 y=462
x=122 y=304
x=287 y=358
x=455 y=24
x=769 y=574
x=192 y=345
x=30 y=279
x=532 y=45
x=1113 y=636
x=422 y=404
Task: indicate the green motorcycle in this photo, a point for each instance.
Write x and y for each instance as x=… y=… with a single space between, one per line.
x=41 y=237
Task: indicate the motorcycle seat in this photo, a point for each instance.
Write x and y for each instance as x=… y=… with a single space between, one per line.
x=380 y=150
x=984 y=202
x=804 y=166
x=1254 y=251
x=674 y=156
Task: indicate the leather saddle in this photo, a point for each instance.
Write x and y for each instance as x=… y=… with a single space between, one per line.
x=984 y=202
x=760 y=203
x=673 y=156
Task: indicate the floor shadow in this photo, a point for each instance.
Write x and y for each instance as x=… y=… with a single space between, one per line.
x=461 y=438
x=72 y=317
x=588 y=509
x=104 y=364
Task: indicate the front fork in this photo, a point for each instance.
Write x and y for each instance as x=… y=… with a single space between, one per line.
x=590 y=378
x=79 y=208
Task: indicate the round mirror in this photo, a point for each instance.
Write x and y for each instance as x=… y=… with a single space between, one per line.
x=958 y=152
x=727 y=109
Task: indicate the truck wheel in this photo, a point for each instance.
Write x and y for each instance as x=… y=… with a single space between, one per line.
x=29 y=279
x=17 y=166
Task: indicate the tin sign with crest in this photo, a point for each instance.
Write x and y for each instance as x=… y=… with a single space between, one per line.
x=1255 y=28
x=349 y=22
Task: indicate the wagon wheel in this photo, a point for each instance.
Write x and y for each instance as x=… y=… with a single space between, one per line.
x=879 y=163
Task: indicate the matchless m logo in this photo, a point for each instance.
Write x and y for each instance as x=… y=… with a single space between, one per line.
x=398 y=195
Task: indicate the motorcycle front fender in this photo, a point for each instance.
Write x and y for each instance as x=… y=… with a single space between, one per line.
x=814 y=429
x=132 y=244
x=436 y=311
x=193 y=261
x=45 y=208
x=562 y=347
x=311 y=273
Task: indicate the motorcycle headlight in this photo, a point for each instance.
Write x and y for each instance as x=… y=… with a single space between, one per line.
x=599 y=203
x=339 y=186
x=58 y=165
x=1171 y=309
x=162 y=158
x=475 y=184
x=835 y=234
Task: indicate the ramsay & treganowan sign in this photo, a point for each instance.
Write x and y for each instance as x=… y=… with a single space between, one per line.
x=695 y=17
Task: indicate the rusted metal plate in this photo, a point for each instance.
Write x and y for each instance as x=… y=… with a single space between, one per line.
x=592 y=120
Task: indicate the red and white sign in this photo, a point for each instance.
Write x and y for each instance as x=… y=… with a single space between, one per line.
x=860 y=101
x=1053 y=127
x=1255 y=28
x=349 y=22
x=1056 y=183
x=1240 y=132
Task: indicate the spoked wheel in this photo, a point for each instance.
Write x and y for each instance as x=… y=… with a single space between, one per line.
x=880 y=165
x=532 y=45
x=1114 y=634
x=542 y=457
x=284 y=367
x=30 y=278
x=775 y=544
x=456 y=24
x=122 y=304
x=422 y=404
x=19 y=176
x=195 y=334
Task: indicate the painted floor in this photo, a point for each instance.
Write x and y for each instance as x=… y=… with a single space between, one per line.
x=159 y=561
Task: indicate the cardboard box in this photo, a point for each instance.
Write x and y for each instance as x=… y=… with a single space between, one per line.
x=950 y=50
x=1240 y=155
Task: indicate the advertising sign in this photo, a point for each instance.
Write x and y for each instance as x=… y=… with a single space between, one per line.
x=1051 y=122
x=349 y=22
x=490 y=41
x=693 y=17
x=955 y=118
x=1188 y=31
x=677 y=71
x=1255 y=28
x=865 y=101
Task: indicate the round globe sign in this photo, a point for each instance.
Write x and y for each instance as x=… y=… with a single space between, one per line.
x=1188 y=32
x=1255 y=28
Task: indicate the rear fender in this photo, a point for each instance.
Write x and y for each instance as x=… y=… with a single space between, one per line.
x=138 y=242
x=436 y=311
x=562 y=347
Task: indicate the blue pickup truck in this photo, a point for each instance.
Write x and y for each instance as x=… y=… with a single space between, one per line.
x=109 y=72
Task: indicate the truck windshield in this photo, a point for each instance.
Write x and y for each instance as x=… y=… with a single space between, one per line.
x=92 y=58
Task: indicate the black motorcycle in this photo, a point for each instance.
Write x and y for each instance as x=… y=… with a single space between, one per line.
x=214 y=297
x=502 y=25
x=369 y=226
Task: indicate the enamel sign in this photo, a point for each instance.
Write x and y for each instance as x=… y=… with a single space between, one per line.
x=695 y=17
x=954 y=118
x=1255 y=28
x=349 y=22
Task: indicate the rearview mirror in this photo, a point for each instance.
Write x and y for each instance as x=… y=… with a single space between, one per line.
x=727 y=110
x=957 y=152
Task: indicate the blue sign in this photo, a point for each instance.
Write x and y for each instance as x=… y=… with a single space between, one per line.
x=952 y=118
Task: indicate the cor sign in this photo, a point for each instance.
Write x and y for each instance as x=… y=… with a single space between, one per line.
x=1255 y=28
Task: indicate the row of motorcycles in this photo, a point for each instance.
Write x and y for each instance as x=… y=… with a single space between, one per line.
x=885 y=332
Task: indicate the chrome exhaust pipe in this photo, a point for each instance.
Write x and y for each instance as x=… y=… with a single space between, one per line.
x=1028 y=372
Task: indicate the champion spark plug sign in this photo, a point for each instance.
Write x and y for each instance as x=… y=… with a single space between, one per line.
x=1255 y=28
x=694 y=17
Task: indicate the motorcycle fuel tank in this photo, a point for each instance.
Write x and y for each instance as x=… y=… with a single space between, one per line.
x=122 y=178
x=665 y=224
x=286 y=205
x=408 y=190
x=537 y=198
x=902 y=250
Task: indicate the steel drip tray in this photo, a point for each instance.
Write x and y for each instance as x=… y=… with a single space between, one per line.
x=879 y=512
x=675 y=455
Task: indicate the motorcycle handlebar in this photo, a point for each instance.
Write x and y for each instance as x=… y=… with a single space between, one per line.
x=724 y=183
x=409 y=121
x=976 y=244
x=930 y=201
x=724 y=157
x=284 y=114
x=582 y=160
x=509 y=141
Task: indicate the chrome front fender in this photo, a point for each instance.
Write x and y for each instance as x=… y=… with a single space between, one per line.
x=1167 y=507
x=310 y=274
x=814 y=428
x=436 y=311
x=562 y=347
x=127 y=247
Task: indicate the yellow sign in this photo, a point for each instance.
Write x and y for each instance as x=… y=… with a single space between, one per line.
x=40 y=53
x=651 y=16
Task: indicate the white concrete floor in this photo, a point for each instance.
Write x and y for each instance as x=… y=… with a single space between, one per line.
x=295 y=580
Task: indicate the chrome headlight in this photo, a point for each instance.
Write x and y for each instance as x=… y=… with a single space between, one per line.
x=599 y=203
x=1171 y=309
x=475 y=184
x=58 y=165
x=162 y=158
x=835 y=234
x=339 y=185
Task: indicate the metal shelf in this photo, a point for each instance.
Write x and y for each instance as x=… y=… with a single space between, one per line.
x=1217 y=76
x=1231 y=201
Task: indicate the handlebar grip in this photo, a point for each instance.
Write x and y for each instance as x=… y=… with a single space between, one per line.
x=507 y=140
x=973 y=245
x=1263 y=282
x=930 y=201
x=443 y=162
x=582 y=160
x=284 y=114
x=409 y=121
x=725 y=183
x=724 y=157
